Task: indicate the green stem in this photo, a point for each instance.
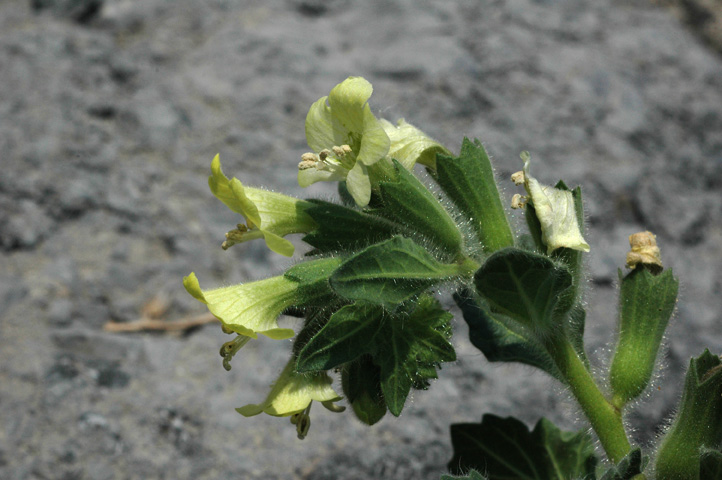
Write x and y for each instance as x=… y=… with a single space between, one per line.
x=604 y=418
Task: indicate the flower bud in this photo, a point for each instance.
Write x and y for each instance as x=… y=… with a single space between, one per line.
x=646 y=303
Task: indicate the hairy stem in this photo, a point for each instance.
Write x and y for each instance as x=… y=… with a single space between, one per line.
x=605 y=419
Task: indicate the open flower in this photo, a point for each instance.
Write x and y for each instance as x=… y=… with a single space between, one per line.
x=346 y=139
x=409 y=145
x=269 y=215
x=250 y=308
x=555 y=210
x=292 y=394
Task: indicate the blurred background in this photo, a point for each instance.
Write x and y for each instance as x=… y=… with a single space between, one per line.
x=110 y=114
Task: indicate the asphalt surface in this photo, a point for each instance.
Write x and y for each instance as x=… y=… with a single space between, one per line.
x=110 y=114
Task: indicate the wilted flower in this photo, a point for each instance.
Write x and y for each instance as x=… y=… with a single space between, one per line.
x=643 y=249
x=250 y=308
x=292 y=394
x=555 y=210
x=269 y=215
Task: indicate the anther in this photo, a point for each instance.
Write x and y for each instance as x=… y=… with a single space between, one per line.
x=308 y=160
x=229 y=349
x=518 y=178
x=518 y=201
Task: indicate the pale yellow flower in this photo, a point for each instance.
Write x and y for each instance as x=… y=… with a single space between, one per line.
x=250 y=308
x=269 y=215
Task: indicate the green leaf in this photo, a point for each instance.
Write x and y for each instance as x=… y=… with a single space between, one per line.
x=698 y=422
x=408 y=202
x=630 y=466
x=710 y=464
x=524 y=286
x=342 y=228
x=312 y=277
x=502 y=340
x=348 y=334
x=504 y=449
x=646 y=303
x=313 y=272
x=470 y=183
x=534 y=225
x=471 y=475
x=390 y=272
x=361 y=381
x=408 y=346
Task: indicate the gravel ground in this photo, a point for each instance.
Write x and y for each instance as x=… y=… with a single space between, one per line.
x=111 y=111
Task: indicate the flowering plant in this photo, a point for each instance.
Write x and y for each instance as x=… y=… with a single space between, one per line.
x=370 y=316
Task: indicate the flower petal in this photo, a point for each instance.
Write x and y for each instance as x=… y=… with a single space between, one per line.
x=347 y=101
x=320 y=126
x=235 y=199
x=293 y=392
x=374 y=141
x=249 y=308
x=359 y=184
x=309 y=176
x=278 y=244
x=280 y=214
x=409 y=145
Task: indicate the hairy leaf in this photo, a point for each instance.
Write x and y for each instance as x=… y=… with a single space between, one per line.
x=524 y=286
x=504 y=448
x=361 y=382
x=408 y=202
x=502 y=340
x=630 y=466
x=343 y=228
x=349 y=333
x=469 y=182
x=710 y=464
x=409 y=348
x=312 y=277
x=471 y=475
x=390 y=272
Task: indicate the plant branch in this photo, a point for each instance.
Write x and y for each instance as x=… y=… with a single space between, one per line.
x=604 y=418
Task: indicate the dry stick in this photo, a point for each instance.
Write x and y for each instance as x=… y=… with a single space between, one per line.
x=151 y=324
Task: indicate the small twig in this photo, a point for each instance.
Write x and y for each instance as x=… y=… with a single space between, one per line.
x=152 y=324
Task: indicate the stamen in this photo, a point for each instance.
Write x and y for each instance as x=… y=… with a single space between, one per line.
x=518 y=201
x=308 y=160
x=302 y=420
x=341 y=151
x=235 y=236
x=229 y=349
x=518 y=178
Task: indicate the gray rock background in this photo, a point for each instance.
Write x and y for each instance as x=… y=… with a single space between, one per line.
x=111 y=111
